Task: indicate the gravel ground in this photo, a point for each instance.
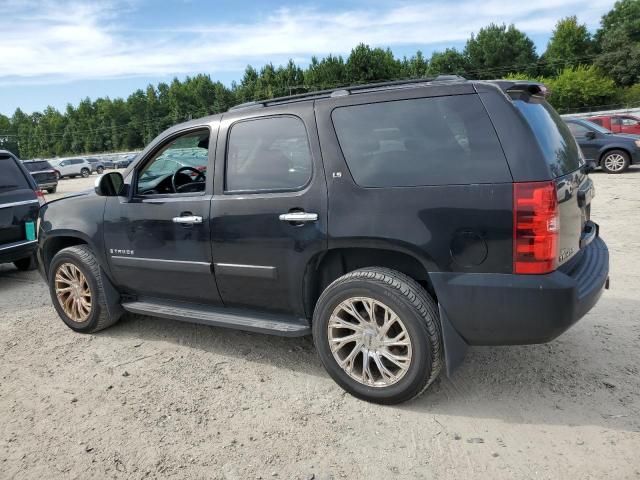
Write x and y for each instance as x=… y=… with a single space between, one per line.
x=152 y=398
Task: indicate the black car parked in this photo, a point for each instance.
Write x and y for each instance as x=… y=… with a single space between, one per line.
x=614 y=152
x=20 y=200
x=397 y=222
x=43 y=173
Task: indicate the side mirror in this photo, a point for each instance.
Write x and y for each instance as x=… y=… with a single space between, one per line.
x=109 y=185
x=590 y=135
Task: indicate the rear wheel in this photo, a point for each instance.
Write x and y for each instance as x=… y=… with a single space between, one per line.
x=615 y=161
x=85 y=172
x=52 y=189
x=377 y=333
x=75 y=285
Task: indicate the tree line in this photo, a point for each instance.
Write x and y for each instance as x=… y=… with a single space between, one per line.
x=583 y=71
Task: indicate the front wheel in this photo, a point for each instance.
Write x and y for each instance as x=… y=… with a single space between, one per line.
x=99 y=170
x=615 y=161
x=52 y=189
x=377 y=332
x=85 y=172
x=75 y=285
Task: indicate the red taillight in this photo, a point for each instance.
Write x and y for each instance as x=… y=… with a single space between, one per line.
x=40 y=197
x=535 y=227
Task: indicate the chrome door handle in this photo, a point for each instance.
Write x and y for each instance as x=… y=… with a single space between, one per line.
x=189 y=219
x=299 y=217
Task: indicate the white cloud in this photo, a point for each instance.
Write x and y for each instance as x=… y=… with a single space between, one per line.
x=71 y=40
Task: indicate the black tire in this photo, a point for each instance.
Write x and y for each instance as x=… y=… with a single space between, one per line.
x=26 y=264
x=83 y=258
x=52 y=189
x=621 y=167
x=99 y=170
x=417 y=311
x=58 y=176
x=85 y=172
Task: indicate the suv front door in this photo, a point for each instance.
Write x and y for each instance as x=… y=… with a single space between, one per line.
x=269 y=211
x=157 y=239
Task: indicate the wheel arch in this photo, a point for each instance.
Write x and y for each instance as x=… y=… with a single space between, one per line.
x=327 y=266
x=610 y=148
x=58 y=241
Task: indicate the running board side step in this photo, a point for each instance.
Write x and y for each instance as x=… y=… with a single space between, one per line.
x=239 y=319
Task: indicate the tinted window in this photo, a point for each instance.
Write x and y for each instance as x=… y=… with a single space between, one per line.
x=629 y=122
x=558 y=146
x=268 y=154
x=426 y=141
x=11 y=176
x=37 y=166
x=599 y=121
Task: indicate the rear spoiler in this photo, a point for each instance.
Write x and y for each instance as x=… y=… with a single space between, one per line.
x=521 y=86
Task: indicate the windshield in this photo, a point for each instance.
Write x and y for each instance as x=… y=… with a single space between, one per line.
x=554 y=137
x=595 y=126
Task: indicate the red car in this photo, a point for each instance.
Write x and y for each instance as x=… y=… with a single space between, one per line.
x=619 y=123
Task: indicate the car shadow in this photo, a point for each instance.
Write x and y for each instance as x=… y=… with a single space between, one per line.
x=554 y=383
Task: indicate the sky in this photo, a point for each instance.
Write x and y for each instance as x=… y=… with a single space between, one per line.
x=55 y=52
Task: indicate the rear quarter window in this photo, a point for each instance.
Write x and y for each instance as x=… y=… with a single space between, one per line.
x=558 y=145
x=425 y=141
x=11 y=175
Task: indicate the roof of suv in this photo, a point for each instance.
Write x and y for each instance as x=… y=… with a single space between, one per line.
x=505 y=85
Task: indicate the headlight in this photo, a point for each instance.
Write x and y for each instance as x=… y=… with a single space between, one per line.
x=637 y=142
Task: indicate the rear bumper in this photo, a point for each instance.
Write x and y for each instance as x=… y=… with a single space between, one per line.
x=502 y=309
x=15 y=251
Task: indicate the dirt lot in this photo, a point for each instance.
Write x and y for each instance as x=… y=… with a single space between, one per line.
x=154 y=398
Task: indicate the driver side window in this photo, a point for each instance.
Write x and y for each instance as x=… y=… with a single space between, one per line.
x=180 y=166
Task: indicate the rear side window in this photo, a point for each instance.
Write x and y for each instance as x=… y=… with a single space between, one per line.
x=268 y=154
x=425 y=141
x=11 y=176
x=37 y=166
x=554 y=137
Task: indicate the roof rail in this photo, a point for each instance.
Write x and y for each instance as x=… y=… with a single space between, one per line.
x=343 y=91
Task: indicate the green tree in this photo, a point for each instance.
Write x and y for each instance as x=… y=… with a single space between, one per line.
x=498 y=50
x=579 y=88
x=326 y=73
x=570 y=45
x=449 y=62
x=366 y=65
x=619 y=42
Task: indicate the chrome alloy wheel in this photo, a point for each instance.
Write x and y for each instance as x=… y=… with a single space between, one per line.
x=369 y=342
x=73 y=292
x=614 y=162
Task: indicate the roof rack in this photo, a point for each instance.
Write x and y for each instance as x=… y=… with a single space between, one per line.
x=343 y=91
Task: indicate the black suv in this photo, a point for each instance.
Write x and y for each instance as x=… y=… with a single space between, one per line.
x=43 y=173
x=20 y=200
x=397 y=222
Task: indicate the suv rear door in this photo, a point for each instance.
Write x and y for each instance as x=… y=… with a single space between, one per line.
x=18 y=204
x=268 y=172
x=562 y=155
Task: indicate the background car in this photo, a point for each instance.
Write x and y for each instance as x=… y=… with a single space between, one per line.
x=20 y=201
x=97 y=165
x=43 y=173
x=602 y=148
x=125 y=161
x=618 y=123
x=71 y=167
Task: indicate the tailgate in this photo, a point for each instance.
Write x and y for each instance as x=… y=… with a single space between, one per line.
x=575 y=192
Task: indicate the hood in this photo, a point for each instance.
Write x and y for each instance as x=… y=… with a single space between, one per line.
x=627 y=135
